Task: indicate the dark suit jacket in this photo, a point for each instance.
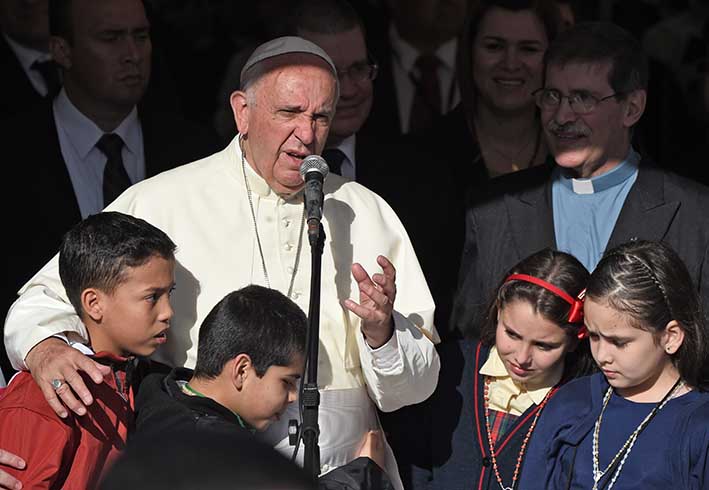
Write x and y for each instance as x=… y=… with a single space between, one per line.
x=40 y=203
x=16 y=92
x=514 y=219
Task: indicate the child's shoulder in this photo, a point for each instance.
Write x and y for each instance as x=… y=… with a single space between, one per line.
x=23 y=393
x=578 y=395
x=26 y=415
x=695 y=411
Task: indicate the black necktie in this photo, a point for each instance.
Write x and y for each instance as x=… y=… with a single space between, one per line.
x=48 y=70
x=427 y=96
x=334 y=159
x=115 y=177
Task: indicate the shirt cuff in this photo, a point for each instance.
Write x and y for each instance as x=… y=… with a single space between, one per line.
x=386 y=356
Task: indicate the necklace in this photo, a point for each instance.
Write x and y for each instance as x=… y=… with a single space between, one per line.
x=258 y=238
x=491 y=445
x=513 y=158
x=625 y=449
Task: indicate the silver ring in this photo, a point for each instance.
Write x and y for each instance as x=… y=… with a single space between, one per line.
x=57 y=383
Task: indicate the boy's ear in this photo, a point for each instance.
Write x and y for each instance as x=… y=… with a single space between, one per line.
x=241 y=370
x=92 y=304
x=672 y=337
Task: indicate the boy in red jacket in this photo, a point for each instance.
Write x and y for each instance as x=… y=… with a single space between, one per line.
x=118 y=272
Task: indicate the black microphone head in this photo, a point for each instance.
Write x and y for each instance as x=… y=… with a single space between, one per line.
x=314 y=163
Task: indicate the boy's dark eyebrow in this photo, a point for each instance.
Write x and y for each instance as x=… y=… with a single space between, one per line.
x=156 y=289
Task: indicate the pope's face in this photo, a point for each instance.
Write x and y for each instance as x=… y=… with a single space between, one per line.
x=284 y=117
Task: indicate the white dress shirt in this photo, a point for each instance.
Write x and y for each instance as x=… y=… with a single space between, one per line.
x=348 y=169
x=27 y=57
x=404 y=60
x=78 y=136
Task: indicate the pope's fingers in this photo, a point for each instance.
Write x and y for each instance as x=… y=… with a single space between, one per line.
x=7 y=482
x=9 y=459
x=365 y=313
x=385 y=284
x=387 y=267
x=359 y=273
x=376 y=295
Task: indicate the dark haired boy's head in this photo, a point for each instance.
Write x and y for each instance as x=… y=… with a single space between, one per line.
x=251 y=352
x=118 y=272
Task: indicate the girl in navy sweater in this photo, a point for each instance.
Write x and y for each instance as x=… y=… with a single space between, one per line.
x=643 y=422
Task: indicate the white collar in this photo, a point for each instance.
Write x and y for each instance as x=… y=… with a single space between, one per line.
x=347 y=146
x=406 y=54
x=83 y=133
x=25 y=55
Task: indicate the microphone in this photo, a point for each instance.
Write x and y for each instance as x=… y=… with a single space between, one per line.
x=313 y=169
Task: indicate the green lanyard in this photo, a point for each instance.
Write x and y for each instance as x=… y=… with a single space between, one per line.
x=243 y=424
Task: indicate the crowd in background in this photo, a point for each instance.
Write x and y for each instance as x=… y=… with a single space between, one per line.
x=419 y=122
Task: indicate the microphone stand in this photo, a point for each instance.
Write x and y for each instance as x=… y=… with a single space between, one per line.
x=310 y=429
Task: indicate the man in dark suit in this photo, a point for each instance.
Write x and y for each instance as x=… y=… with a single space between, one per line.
x=415 y=44
x=600 y=193
x=28 y=72
x=69 y=157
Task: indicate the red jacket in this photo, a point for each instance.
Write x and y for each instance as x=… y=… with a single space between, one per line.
x=69 y=453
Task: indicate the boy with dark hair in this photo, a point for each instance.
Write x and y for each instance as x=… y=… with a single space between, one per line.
x=250 y=358
x=118 y=272
x=249 y=361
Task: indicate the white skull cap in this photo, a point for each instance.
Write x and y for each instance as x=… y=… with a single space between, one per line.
x=285 y=45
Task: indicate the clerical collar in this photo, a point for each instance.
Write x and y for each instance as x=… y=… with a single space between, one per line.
x=612 y=178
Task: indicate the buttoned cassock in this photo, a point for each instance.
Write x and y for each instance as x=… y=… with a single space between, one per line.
x=204 y=208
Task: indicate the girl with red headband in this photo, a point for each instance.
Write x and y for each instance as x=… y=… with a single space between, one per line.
x=643 y=422
x=491 y=392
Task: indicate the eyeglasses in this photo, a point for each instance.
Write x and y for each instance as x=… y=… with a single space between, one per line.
x=581 y=102
x=359 y=72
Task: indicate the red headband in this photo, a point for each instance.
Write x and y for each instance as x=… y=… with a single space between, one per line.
x=576 y=310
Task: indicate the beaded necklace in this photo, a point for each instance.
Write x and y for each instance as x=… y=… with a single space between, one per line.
x=625 y=449
x=491 y=445
x=258 y=238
